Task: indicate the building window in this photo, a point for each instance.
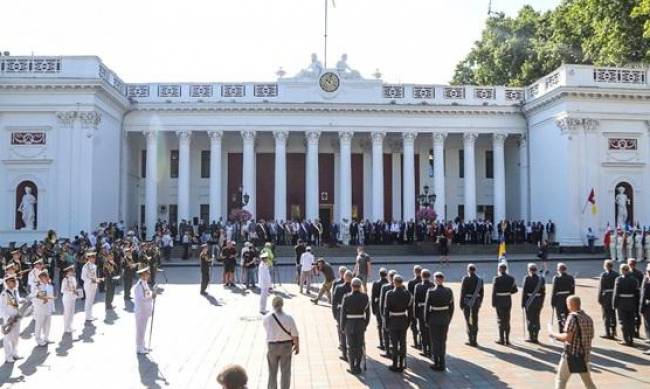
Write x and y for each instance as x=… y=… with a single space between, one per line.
x=205 y=213
x=205 y=164
x=143 y=164
x=489 y=164
x=461 y=163
x=173 y=164
x=173 y=213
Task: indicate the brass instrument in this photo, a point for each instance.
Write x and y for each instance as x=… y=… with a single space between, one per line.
x=23 y=311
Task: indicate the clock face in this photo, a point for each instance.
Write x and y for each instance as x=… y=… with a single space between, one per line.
x=329 y=82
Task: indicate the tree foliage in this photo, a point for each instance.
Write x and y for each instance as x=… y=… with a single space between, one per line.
x=518 y=50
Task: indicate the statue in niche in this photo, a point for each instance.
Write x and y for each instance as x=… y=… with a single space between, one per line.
x=27 y=209
x=622 y=202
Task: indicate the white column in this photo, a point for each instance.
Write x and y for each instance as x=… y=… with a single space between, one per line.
x=523 y=178
x=280 y=199
x=311 y=179
x=498 y=140
x=470 y=175
x=184 y=140
x=248 y=169
x=439 y=174
x=151 y=182
x=377 y=175
x=408 y=179
x=396 y=181
x=345 y=142
x=337 y=182
x=215 y=175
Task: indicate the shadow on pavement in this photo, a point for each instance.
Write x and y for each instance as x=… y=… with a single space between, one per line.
x=150 y=374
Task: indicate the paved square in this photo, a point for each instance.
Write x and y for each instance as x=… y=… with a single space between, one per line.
x=194 y=337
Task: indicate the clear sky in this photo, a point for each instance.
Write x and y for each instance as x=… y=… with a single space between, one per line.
x=248 y=40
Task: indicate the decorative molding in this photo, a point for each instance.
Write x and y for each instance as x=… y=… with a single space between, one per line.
x=485 y=93
x=169 y=90
x=312 y=137
x=150 y=136
x=281 y=137
x=499 y=138
x=377 y=138
x=265 y=90
x=453 y=93
x=439 y=137
x=90 y=119
x=552 y=81
x=590 y=124
x=215 y=135
x=514 y=94
x=345 y=137
x=626 y=144
x=201 y=90
x=568 y=124
x=137 y=90
x=184 y=137
x=66 y=117
x=26 y=138
x=408 y=137
x=248 y=136
x=423 y=92
x=393 y=91
x=469 y=138
x=623 y=76
x=532 y=91
x=30 y=65
x=233 y=90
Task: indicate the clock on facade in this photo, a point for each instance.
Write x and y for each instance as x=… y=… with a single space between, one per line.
x=329 y=82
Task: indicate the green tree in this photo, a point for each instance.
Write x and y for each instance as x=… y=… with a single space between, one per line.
x=517 y=51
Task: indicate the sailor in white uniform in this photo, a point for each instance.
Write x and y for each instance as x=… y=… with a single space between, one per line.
x=69 y=297
x=9 y=301
x=143 y=308
x=42 y=296
x=89 y=277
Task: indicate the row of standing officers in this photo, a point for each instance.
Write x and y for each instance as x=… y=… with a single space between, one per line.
x=426 y=306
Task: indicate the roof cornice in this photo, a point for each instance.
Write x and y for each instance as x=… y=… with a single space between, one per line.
x=584 y=92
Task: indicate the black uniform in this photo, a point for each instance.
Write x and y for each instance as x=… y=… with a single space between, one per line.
x=418 y=311
x=626 y=293
x=563 y=286
x=339 y=292
x=644 y=306
x=532 y=300
x=503 y=287
x=438 y=311
x=128 y=265
x=471 y=297
x=374 y=295
x=638 y=276
x=605 y=297
x=398 y=313
x=382 y=306
x=410 y=286
x=206 y=262
x=109 y=270
x=355 y=316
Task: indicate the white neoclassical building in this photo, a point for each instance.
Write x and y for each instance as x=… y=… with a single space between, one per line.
x=326 y=143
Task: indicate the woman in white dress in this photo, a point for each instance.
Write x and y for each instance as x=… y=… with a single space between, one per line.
x=264 y=280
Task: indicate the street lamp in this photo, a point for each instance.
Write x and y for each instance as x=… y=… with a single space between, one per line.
x=244 y=198
x=425 y=199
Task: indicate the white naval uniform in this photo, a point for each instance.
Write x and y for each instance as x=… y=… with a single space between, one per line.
x=69 y=298
x=9 y=298
x=42 y=312
x=638 y=245
x=264 y=280
x=143 y=309
x=32 y=279
x=89 y=277
x=620 y=241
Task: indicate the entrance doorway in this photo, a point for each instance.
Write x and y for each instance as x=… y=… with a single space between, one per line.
x=325 y=217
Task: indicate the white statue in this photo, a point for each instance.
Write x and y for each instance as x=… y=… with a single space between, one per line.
x=26 y=208
x=621 y=207
x=620 y=242
x=314 y=69
x=629 y=243
x=345 y=71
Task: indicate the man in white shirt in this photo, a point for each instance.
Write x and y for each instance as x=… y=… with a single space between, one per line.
x=89 y=277
x=306 y=264
x=282 y=339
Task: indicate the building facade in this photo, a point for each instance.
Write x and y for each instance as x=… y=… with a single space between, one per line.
x=326 y=143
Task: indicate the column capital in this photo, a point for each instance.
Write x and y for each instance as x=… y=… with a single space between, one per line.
x=345 y=137
x=90 y=119
x=281 y=136
x=408 y=137
x=248 y=136
x=439 y=137
x=66 y=117
x=150 y=136
x=499 y=137
x=470 y=137
x=215 y=135
x=184 y=137
x=312 y=137
x=377 y=137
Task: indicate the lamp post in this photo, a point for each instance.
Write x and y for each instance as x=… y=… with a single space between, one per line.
x=240 y=199
x=426 y=200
